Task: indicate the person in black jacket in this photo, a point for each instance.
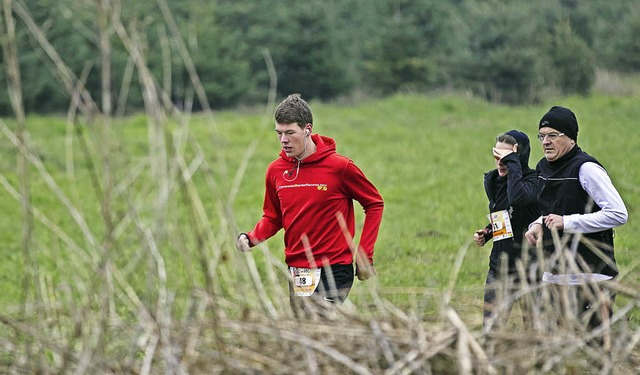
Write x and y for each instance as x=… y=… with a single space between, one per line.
x=581 y=205
x=512 y=192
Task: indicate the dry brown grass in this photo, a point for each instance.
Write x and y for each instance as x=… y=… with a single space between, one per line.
x=99 y=322
x=613 y=84
x=218 y=336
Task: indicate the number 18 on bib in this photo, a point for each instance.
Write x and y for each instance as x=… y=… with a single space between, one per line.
x=305 y=280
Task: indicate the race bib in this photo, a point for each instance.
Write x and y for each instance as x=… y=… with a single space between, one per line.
x=305 y=280
x=501 y=225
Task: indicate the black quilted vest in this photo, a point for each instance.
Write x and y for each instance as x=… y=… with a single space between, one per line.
x=561 y=193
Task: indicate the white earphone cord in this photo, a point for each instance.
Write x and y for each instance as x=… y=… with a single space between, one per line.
x=299 y=161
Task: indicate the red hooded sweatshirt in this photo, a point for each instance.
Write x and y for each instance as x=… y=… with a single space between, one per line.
x=305 y=203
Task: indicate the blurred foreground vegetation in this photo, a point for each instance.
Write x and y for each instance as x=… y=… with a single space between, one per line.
x=119 y=217
x=132 y=266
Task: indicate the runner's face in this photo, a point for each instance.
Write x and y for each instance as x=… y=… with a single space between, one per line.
x=291 y=138
x=554 y=150
x=502 y=169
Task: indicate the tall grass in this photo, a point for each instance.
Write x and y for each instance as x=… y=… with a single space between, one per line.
x=130 y=265
x=179 y=297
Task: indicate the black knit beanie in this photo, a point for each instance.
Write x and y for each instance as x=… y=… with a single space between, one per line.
x=563 y=120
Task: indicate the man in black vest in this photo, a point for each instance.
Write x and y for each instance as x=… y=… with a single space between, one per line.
x=578 y=202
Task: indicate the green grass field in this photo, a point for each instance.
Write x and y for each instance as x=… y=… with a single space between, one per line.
x=138 y=219
x=427 y=155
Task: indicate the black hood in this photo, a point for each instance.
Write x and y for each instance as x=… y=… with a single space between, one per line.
x=524 y=147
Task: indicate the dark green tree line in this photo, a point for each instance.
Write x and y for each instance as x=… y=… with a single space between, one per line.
x=506 y=51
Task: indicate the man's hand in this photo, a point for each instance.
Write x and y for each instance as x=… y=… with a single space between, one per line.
x=365 y=271
x=534 y=234
x=553 y=221
x=242 y=243
x=478 y=236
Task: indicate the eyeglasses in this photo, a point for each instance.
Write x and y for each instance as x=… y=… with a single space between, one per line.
x=551 y=136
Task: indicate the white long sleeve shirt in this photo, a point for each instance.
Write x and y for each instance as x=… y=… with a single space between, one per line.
x=596 y=182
